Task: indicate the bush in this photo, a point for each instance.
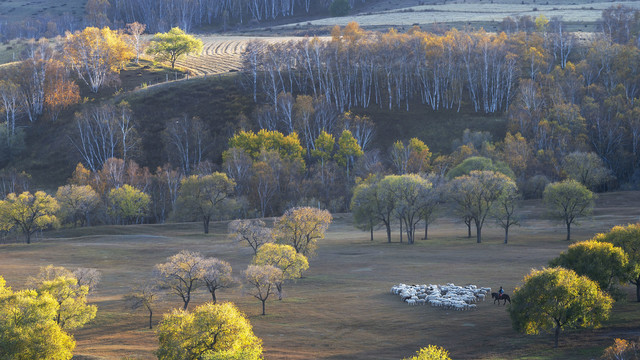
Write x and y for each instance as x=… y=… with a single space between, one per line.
x=339 y=8
x=533 y=188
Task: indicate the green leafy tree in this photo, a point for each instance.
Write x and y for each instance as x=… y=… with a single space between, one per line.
x=29 y=212
x=586 y=168
x=127 y=205
x=477 y=194
x=556 y=299
x=363 y=206
x=285 y=258
x=410 y=192
x=301 y=228
x=627 y=238
x=323 y=150
x=432 y=200
x=601 y=262
x=28 y=330
x=480 y=163
x=211 y=331
x=76 y=203
x=431 y=352
x=348 y=150
x=568 y=200
x=505 y=209
x=203 y=196
x=171 y=45
x=412 y=158
x=254 y=143
x=261 y=282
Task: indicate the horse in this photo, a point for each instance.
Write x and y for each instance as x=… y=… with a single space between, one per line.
x=496 y=297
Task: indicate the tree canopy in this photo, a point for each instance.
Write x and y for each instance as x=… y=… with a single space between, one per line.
x=480 y=163
x=477 y=194
x=202 y=196
x=431 y=352
x=28 y=329
x=171 y=45
x=410 y=193
x=627 y=238
x=182 y=274
x=76 y=203
x=29 y=212
x=555 y=299
x=262 y=282
x=210 y=331
x=127 y=205
x=285 y=258
x=601 y=262
x=568 y=200
x=301 y=228
x=97 y=55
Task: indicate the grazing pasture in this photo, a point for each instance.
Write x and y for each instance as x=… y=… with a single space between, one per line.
x=342 y=308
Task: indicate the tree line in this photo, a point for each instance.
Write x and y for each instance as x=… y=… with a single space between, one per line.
x=163 y=15
x=559 y=93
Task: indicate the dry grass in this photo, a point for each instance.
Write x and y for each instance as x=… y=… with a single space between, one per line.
x=222 y=54
x=405 y=13
x=35 y=8
x=342 y=308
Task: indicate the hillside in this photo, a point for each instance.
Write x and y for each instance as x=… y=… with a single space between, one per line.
x=219 y=101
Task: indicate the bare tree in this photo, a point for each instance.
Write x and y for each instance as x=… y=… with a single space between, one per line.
x=186 y=139
x=136 y=30
x=10 y=95
x=252 y=232
x=146 y=296
x=88 y=276
x=104 y=132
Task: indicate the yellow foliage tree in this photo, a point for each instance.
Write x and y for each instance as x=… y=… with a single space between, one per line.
x=283 y=257
x=97 y=55
x=76 y=203
x=28 y=330
x=29 y=212
x=211 y=331
x=555 y=299
x=73 y=311
x=301 y=228
x=431 y=352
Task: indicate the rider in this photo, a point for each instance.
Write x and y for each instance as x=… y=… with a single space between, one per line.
x=500 y=292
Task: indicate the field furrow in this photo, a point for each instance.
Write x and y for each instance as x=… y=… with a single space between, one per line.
x=221 y=54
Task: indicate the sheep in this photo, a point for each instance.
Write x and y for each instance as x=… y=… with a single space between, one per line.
x=449 y=296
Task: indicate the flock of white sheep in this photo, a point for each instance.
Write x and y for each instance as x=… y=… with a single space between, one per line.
x=447 y=296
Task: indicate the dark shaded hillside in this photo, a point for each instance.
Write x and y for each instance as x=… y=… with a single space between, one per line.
x=436 y=128
x=217 y=101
